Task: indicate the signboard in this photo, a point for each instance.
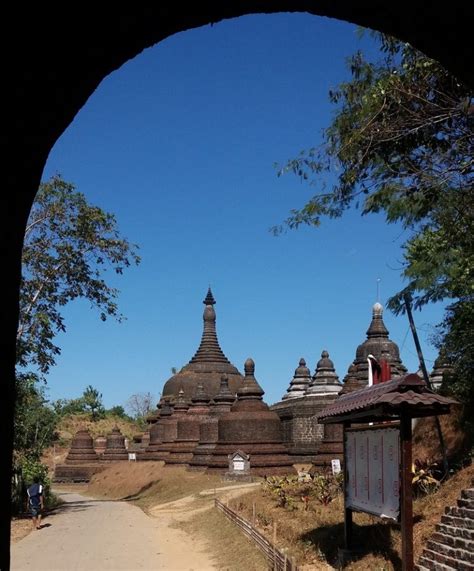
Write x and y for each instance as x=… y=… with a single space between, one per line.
x=372 y=482
x=238 y=463
x=336 y=466
x=132 y=456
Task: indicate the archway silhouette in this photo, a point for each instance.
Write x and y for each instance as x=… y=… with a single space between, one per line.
x=56 y=61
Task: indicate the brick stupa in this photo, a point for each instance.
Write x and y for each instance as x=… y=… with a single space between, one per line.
x=252 y=428
x=208 y=429
x=156 y=431
x=81 y=462
x=207 y=365
x=115 y=449
x=166 y=432
x=181 y=450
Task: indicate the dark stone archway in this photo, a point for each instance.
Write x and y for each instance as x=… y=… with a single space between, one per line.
x=53 y=60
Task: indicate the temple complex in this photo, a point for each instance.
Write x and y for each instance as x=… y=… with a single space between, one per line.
x=252 y=429
x=208 y=364
x=208 y=429
x=115 y=448
x=376 y=359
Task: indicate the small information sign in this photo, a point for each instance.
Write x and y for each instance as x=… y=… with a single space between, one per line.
x=336 y=466
x=132 y=456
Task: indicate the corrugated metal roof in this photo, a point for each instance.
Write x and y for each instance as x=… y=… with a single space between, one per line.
x=408 y=392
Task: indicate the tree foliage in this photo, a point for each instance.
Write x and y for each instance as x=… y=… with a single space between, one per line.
x=69 y=245
x=35 y=420
x=92 y=400
x=401 y=142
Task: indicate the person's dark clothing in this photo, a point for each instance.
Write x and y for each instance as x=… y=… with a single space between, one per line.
x=35 y=492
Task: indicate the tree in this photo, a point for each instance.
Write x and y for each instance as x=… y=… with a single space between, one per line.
x=401 y=142
x=35 y=421
x=140 y=405
x=118 y=411
x=92 y=400
x=69 y=245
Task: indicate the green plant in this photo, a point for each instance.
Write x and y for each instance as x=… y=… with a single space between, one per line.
x=424 y=480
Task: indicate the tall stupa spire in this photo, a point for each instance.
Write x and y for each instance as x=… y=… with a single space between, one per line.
x=209 y=350
x=208 y=364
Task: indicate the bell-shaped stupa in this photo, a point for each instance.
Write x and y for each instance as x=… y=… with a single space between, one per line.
x=379 y=346
x=208 y=363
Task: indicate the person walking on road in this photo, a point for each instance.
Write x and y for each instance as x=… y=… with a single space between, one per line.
x=36 y=501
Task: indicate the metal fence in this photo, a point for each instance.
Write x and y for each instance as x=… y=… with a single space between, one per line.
x=277 y=560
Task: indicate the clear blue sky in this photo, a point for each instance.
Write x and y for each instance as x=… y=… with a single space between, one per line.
x=181 y=143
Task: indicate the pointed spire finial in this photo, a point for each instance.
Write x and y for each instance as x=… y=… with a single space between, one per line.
x=209 y=299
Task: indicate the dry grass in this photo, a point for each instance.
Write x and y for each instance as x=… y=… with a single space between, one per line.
x=150 y=483
x=233 y=551
x=70 y=424
x=425 y=436
x=312 y=537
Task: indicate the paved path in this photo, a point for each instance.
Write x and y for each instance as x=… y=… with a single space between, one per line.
x=95 y=535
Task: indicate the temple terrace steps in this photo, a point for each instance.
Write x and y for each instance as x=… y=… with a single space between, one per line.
x=451 y=547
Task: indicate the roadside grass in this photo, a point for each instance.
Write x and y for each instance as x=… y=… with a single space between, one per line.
x=312 y=536
x=148 y=484
x=232 y=551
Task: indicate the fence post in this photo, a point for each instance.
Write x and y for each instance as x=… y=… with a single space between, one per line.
x=253 y=513
x=274 y=545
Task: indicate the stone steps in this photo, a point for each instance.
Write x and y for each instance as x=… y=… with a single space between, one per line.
x=451 y=546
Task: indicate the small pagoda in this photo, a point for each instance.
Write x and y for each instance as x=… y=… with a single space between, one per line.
x=181 y=450
x=115 y=448
x=251 y=428
x=208 y=429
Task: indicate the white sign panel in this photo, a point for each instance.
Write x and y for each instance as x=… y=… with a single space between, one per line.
x=238 y=463
x=336 y=466
x=373 y=471
x=132 y=456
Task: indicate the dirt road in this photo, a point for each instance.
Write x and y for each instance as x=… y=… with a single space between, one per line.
x=95 y=535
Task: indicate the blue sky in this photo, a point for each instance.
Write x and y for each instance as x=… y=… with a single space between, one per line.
x=181 y=145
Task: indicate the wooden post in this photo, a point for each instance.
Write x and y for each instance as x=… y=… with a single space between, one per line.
x=347 y=511
x=254 y=509
x=274 y=545
x=406 y=500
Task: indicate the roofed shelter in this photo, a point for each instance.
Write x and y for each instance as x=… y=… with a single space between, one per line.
x=389 y=408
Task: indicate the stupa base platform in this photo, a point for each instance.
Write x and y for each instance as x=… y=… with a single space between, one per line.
x=76 y=473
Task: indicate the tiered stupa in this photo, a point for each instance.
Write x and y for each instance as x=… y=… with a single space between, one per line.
x=168 y=429
x=325 y=382
x=379 y=346
x=252 y=428
x=300 y=381
x=208 y=429
x=150 y=452
x=115 y=449
x=82 y=449
x=100 y=444
x=441 y=368
x=302 y=433
x=181 y=450
x=81 y=462
x=207 y=365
